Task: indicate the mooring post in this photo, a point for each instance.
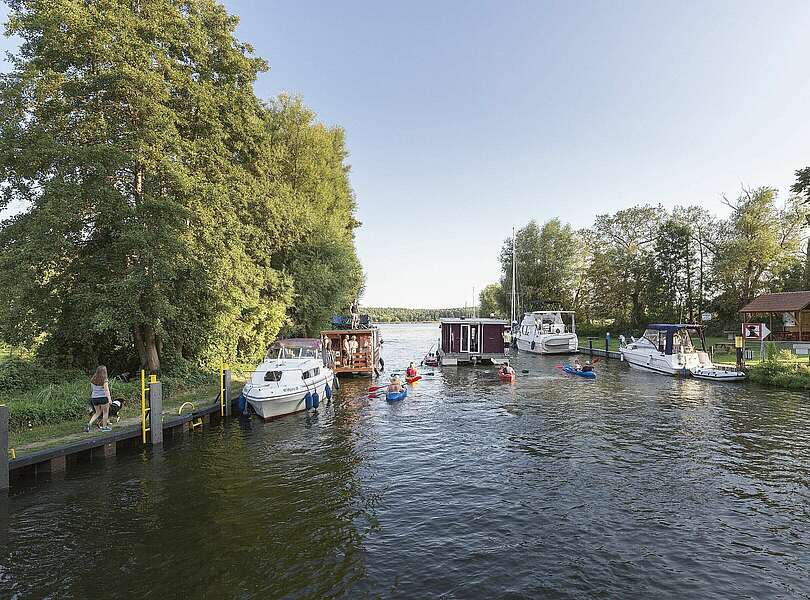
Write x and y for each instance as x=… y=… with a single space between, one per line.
x=4 y=447
x=590 y=346
x=607 y=343
x=155 y=412
x=226 y=385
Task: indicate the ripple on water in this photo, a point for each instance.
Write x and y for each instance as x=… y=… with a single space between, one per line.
x=633 y=485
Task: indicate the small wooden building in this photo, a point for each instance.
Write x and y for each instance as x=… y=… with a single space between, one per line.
x=787 y=315
x=473 y=340
x=353 y=351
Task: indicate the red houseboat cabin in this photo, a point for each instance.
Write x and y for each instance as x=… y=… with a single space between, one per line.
x=473 y=341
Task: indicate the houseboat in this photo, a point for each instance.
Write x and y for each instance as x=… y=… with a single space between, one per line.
x=472 y=340
x=353 y=351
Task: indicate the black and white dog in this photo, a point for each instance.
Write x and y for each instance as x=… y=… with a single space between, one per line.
x=115 y=407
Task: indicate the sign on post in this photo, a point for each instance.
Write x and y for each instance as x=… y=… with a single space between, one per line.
x=707 y=316
x=755 y=331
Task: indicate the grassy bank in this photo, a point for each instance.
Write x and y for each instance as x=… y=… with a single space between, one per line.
x=47 y=404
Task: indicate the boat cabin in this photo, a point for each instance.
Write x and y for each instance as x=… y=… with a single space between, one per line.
x=352 y=351
x=473 y=340
x=671 y=338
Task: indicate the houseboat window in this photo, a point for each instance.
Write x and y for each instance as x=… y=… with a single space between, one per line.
x=272 y=376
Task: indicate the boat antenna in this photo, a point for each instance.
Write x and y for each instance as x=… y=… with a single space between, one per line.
x=514 y=272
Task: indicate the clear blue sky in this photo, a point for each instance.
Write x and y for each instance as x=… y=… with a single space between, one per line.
x=465 y=118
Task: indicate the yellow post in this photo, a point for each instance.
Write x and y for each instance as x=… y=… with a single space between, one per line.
x=144 y=408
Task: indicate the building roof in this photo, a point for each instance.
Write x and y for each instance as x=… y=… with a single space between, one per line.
x=475 y=320
x=781 y=302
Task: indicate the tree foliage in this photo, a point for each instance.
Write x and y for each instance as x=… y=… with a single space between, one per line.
x=166 y=211
x=646 y=264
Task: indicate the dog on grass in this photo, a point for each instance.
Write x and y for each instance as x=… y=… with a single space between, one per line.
x=115 y=408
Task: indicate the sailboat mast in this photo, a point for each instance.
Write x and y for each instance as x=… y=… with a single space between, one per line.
x=514 y=271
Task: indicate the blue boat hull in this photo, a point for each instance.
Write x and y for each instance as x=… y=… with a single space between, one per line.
x=396 y=396
x=573 y=371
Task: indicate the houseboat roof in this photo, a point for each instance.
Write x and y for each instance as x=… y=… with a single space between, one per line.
x=481 y=320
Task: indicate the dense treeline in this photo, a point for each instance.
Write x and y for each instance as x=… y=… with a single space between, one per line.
x=646 y=264
x=414 y=315
x=162 y=214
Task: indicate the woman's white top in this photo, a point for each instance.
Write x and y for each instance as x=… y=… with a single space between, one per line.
x=97 y=391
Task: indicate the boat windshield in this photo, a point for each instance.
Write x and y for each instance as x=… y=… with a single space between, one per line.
x=280 y=351
x=681 y=340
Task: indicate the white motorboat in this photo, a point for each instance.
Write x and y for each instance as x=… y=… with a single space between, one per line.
x=292 y=378
x=669 y=349
x=545 y=332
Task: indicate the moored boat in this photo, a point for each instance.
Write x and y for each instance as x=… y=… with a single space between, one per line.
x=292 y=378
x=669 y=349
x=546 y=332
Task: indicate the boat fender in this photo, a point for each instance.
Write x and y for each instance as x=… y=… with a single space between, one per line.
x=242 y=403
x=532 y=344
x=336 y=382
x=308 y=401
x=382 y=364
x=315 y=400
x=327 y=392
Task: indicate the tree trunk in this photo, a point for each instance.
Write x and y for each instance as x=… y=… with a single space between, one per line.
x=138 y=335
x=146 y=340
x=807 y=263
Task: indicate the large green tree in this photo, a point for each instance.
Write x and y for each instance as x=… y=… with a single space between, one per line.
x=758 y=244
x=162 y=207
x=802 y=188
x=549 y=263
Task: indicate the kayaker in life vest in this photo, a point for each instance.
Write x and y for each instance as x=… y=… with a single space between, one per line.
x=577 y=365
x=411 y=371
x=587 y=367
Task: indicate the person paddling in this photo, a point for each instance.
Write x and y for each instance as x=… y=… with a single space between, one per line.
x=507 y=370
x=411 y=371
x=395 y=386
x=577 y=365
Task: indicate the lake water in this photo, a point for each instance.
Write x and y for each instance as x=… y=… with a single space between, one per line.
x=631 y=486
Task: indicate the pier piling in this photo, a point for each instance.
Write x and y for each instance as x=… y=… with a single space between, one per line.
x=156 y=413
x=226 y=377
x=4 y=447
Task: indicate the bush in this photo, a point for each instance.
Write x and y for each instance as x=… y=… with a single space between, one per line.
x=24 y=374
x=55 y=403
x=792 y=376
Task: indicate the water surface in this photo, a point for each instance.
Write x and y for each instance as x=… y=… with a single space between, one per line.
x=634 y=485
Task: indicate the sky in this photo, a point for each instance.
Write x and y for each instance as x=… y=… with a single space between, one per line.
x=466 y=118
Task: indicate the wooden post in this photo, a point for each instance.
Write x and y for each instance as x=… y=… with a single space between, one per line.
x=227 y=392
x=590 y=346
x=156 y=413
x=607 y=343
x=3 y=447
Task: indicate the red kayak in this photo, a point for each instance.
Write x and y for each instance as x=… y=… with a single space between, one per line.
x=506 y=377
x=413 y=379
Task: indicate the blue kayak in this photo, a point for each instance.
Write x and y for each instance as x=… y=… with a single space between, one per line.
x=587 y=374
x=396 y=396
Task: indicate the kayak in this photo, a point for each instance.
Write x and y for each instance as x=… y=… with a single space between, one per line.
x=573 y=371
x=506 y=378
x=396 y=396
x=413 y=379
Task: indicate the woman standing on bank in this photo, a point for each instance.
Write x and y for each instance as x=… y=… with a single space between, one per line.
x=100 y=398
